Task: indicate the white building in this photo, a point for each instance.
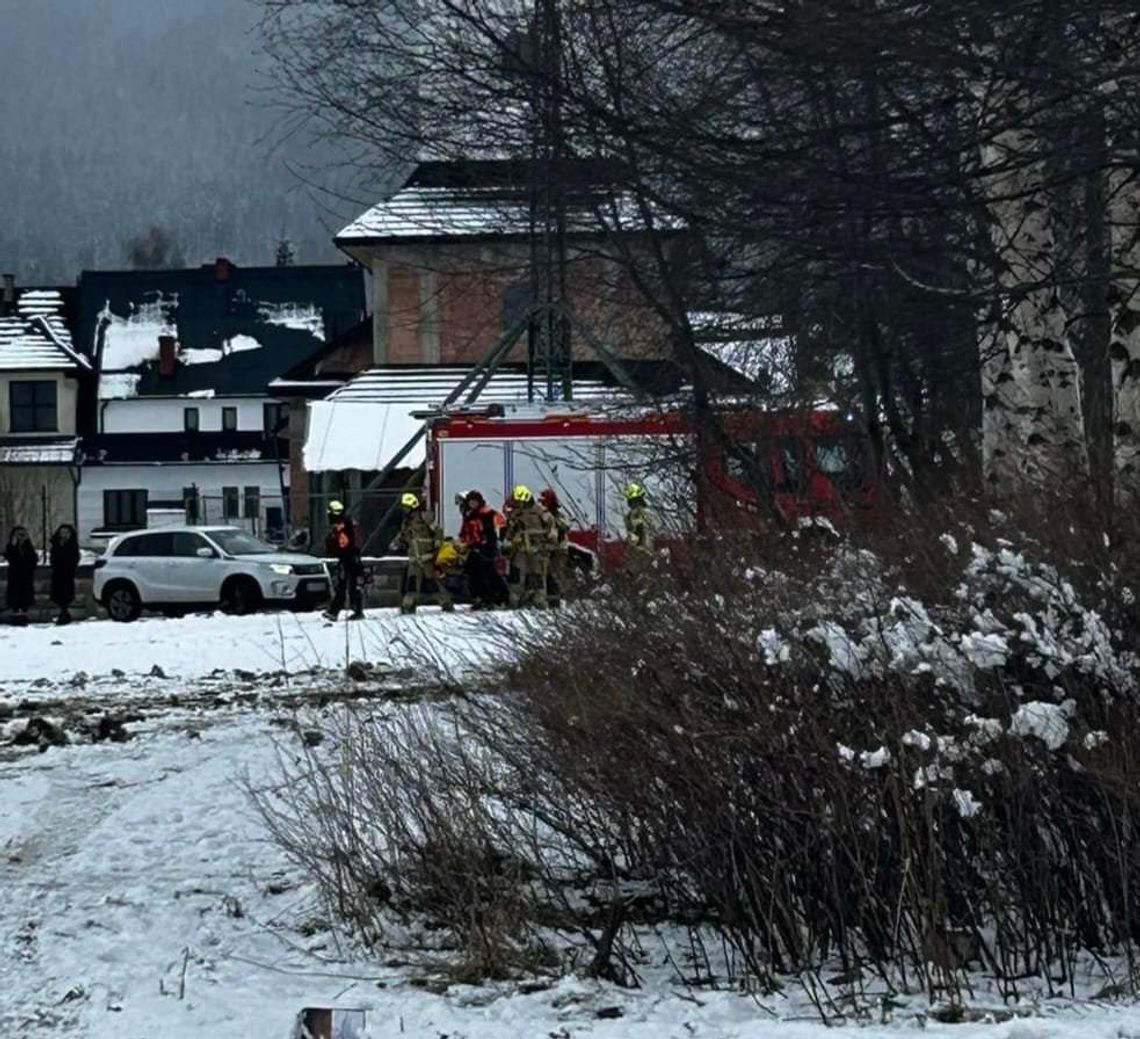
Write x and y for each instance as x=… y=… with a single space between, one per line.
x=185 y=427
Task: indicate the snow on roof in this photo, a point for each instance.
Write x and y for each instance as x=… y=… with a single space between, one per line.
x=130 y=341
x=118 y=385
x=358 y=435
x=770 y=361
x=42 y=452
x=450 y=212
x=302 y=317
x=32 y=343
x=48 y=305
x=364 y=423
x=427 y=387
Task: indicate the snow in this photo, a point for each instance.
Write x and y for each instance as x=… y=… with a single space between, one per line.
x=360 y=435
x=201 y=355
x=1047 y=721
x=239 y=343
x=298 y=316
x=196 y=646
x=141 y=897
x=118 y=385
x=967 y=804
x=130 y=341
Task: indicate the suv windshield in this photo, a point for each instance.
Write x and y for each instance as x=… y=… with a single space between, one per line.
x=237 y=543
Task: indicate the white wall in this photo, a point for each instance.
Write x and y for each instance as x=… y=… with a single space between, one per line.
x=164 y=414
x=166 y=481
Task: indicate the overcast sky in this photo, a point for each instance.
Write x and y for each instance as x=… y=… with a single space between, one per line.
x=119 y=114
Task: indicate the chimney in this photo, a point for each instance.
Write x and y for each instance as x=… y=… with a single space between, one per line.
x=8 y=296
x=166 y=359
x=222 y=267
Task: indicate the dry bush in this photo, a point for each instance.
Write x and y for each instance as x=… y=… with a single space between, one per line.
x=779 y=743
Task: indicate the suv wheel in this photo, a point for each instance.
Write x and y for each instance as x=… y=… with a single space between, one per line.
x=241 y=595
x=122 y=602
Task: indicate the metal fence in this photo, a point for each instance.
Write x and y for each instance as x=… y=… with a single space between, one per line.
x=263 y=515
x=367 y=509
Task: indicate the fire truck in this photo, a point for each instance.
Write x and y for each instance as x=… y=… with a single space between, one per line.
x=761 y=466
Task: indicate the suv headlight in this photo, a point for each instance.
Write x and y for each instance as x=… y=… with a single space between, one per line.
x=281 y=568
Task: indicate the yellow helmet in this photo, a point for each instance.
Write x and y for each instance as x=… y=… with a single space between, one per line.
x=522 y=493
x=336 y=507
x=633 y=491
x=410 y=501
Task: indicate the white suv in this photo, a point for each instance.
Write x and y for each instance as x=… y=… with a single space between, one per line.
x=177 y=568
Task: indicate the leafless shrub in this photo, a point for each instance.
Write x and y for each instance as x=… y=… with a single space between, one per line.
x=775 y=745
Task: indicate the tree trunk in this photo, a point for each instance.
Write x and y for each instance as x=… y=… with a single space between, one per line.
x=1124 y=304
x=1033 y=424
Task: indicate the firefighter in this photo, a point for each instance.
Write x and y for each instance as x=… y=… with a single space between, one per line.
x=558 y=572
x=480 y=538
x=421 y=539
x=529 y=537
x=343 y=543
x=638 y=528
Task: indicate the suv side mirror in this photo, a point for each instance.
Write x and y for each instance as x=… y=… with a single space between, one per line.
x=205 y=553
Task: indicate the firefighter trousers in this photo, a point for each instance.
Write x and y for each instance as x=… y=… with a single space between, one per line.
x=346 y=585
x=414 y=578
x=529 y=586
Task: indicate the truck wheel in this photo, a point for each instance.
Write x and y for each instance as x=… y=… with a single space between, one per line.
x=122 y=602
x=240 y=595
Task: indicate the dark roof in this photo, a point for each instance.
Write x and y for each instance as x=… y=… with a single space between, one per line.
x=108 y=448
x=289 y=311
x=306 y=370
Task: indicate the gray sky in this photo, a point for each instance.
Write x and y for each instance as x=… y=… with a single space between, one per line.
x=119 y=114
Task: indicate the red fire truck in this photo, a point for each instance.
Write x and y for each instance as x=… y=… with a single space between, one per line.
x=799 y=465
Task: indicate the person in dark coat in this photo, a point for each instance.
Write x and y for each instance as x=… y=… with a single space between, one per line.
x=480 y=537
x=343 y=543
x=64 y=563
x=22 y=560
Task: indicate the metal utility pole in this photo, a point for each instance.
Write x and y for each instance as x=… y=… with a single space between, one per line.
x=548 y=355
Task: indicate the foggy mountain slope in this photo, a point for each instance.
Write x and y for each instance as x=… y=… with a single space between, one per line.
x=119 y=114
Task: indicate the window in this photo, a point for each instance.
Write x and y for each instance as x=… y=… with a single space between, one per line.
x=124 y=510
x=190 y=420
x=147 y=545
x=842 y=460
x=229 y=503
x=229 y=419
x=274 y=417
x=33 y=406
x=252 y=502
x=187 y=544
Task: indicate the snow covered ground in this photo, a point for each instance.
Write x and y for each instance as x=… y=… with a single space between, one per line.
x=45 y=658
x=141 y=899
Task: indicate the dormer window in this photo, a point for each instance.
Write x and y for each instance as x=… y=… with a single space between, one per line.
x=32 y=406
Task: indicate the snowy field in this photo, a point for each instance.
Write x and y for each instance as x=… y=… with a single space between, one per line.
x=141 y=900
x=47 y=659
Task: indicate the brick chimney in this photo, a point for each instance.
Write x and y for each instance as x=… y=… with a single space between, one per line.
x=222 y=268
x=8 y=296
x=166 y=359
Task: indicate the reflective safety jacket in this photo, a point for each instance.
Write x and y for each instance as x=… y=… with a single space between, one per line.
x=639 y=529
x=420 y=537
x=530 y=531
